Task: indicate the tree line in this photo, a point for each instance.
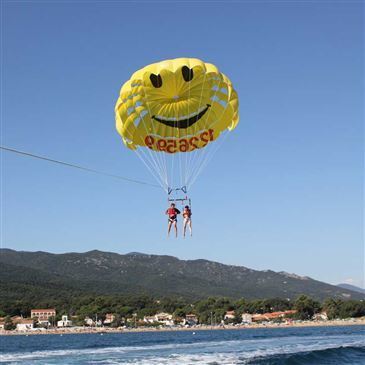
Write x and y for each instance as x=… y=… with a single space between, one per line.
x=209 y=310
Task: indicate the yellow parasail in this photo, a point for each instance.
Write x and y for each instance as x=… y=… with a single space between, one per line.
x=177 y=105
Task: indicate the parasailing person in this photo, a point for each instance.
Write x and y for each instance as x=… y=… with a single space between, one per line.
x=172 y=212
x=187 y=220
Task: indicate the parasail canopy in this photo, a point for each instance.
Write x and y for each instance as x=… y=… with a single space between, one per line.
x=170 y=112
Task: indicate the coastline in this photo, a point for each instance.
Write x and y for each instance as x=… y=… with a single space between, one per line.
x=107 y=330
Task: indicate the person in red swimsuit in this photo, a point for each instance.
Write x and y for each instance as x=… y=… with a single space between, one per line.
x=172 y=212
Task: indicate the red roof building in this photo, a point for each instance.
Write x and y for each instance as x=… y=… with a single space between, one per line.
x=272 y=315
x=43 y=314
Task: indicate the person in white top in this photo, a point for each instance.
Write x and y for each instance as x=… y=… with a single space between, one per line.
x=187 y=219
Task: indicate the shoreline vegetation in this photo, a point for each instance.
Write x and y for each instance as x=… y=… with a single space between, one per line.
x=146 y=314
x=108 y=330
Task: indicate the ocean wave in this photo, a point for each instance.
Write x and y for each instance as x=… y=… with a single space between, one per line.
x=352 y=355
x=233 y=352
x=16 y=356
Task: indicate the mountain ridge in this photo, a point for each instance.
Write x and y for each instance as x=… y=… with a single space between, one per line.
x=98 y=272
x=351 y=287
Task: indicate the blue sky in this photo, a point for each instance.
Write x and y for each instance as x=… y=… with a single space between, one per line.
x=283 y=193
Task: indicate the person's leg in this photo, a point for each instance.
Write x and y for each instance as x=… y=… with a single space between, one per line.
x=169 y=228
x=175 y=228
x=185 y=223
x=190 y=228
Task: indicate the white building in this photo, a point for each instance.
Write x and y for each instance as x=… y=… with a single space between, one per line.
x=90 y=322
x=149 y=319
x=64 y=322
x=190 y=320
x=229 y=315
x=246 y=318
x=164 y=318
x=320 y=316
x=24 y=325
x=109 y=318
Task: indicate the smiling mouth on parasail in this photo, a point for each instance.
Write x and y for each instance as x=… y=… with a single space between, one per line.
x=182 y=123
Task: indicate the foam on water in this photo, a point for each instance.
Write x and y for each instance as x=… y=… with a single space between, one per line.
x=172 y=359
x=225 y=352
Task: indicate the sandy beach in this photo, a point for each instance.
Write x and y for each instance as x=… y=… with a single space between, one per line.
x=105 y=330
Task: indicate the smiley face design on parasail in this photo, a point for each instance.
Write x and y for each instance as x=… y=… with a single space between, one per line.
x=176 y=106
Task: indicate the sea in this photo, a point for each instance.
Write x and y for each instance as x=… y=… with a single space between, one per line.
x=297 y=346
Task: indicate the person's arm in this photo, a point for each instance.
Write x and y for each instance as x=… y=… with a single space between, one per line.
x=177 y=211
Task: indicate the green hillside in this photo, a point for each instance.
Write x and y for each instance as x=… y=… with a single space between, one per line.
x=45 y=275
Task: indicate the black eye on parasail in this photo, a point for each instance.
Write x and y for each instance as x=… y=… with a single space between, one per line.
x=156 y=80
x=187 y=73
